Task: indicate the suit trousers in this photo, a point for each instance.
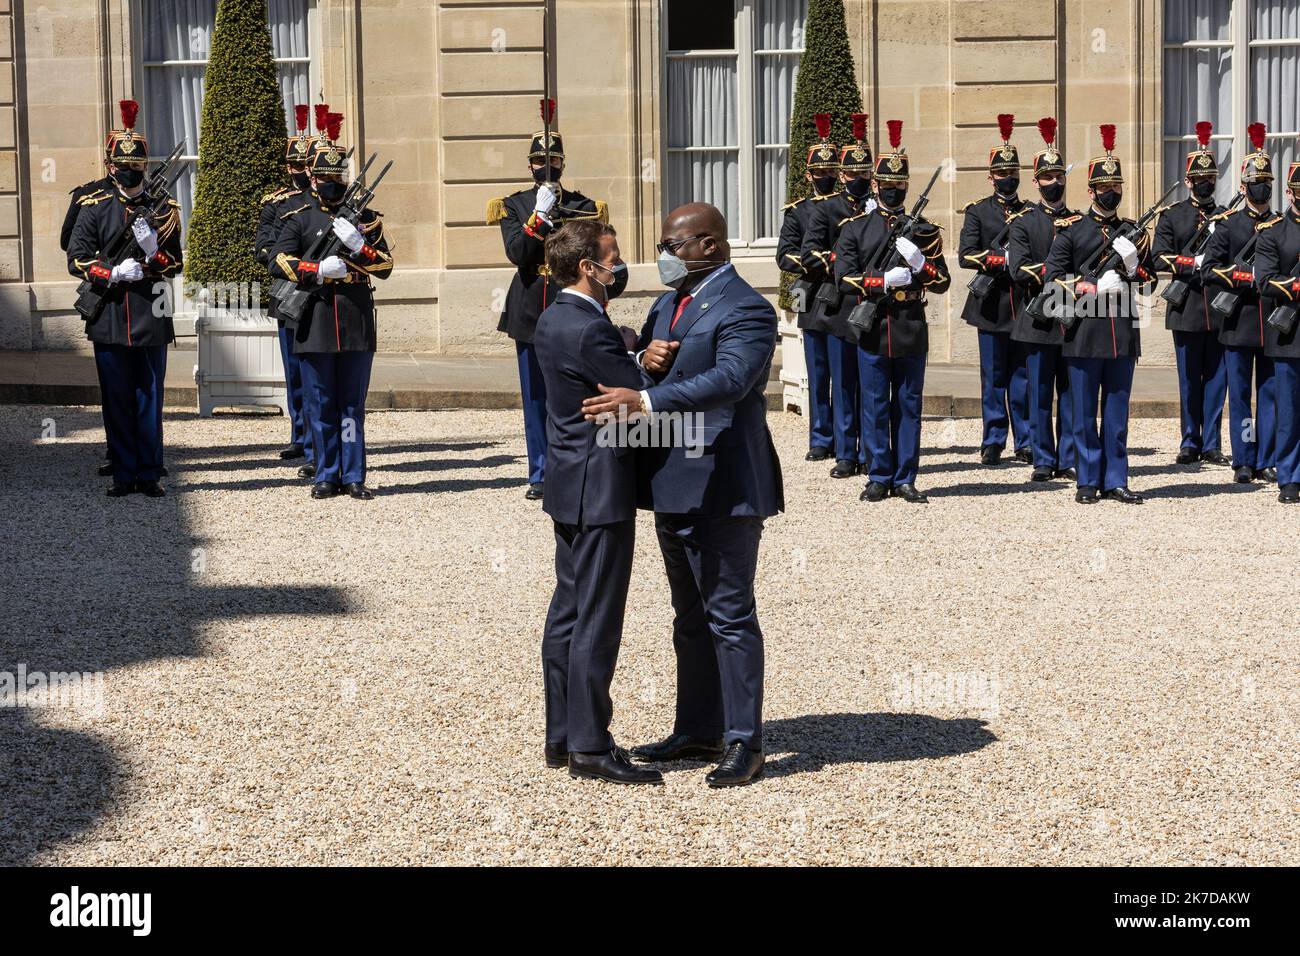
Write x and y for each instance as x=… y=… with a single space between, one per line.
x=1286 y=375
x=131 y=383
x=1049 y=381
x=1252 y=433
x=817 y=360
x=1101 y=456
x=299 y=431
x=532 y=390
x=1004 y=384
x=334 y=395
x=1202 y=387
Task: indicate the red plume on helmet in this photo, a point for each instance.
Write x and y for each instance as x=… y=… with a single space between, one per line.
x=301 y=117
x=859 y=121
x=548 y=110
x=1256 y=132
x=130 y=110
x=334 y=123
x=823 y=121
x=322 y=116
x=895 y=132
x=1006 y=123
x=1047 y=129
x=1107 y=136
x=1203 y=130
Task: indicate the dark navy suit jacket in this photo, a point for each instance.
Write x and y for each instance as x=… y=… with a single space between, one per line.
x=728 y=336
x=578 y=348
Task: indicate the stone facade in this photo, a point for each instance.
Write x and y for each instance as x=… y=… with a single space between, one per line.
x=449 y=91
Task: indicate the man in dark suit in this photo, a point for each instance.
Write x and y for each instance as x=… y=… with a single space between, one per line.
x=709 y=346
x=591 y=499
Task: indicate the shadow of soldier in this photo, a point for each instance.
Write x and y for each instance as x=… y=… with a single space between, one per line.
x=95 y=584
x=807 y=744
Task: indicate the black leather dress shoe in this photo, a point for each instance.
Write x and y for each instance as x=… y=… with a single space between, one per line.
x=1086 y=495
x=1289 y=494
x=1187 y=456
x=909 y=494
x=679 y=747
x=1268 y=474
x=739 y=766
x=359 y=491
x=1243 y=475
x=120 y=489
x=1122 y=494
x=1025 y=455
x=557 y=758
x=291 y=452
x=1215 y=457
x=844 y=469
x=817 y=454
x=150 y=489
x=105 y=469
x=875 y=491
x=1069 y=474
x=324 y=489
x=1043 y=473
x=307 y=471
x=613 y=766
x=534 y=492
x=990 y=455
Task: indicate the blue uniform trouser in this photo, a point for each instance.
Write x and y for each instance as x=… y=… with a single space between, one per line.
x=532 y=390
x=1004 y=381
x=1101 y=455
x=891 y=415
x=1252 y=435
x=131 y=386
x=1202 y=387
x=1286 y=379
x=846 y=401
x=298 y=430
x=334 y=393
x=1053 y=441
x=818 y=362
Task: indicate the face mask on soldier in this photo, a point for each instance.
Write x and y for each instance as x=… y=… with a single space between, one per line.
x=858 y=187
x=825 y=184
x=1108 y=201
x=330 y=191
x=1203 y=189
x=892 y=196
x=302 y=180
x=1259 y=193
x=1007 y=186
x=128 y=178
x=1052 y=192
x=539 y=174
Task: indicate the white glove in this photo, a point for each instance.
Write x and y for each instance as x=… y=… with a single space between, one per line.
x=1128 y=252
x=349 y=235
x=1200 y=259
x=146 y=237
x=546 y=199
x=897 y=276
x=914 y=257
x=1109 y=283
x=332 y=267
x=128 y=270
x=870 y=207
x=1210 y=231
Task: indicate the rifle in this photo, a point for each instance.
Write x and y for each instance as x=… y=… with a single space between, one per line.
x=863 y=316
x=1178 y=290
x=291 y=297
x=1283 y=317
x=1225 y=302
x=981 y=284
x=92 y=298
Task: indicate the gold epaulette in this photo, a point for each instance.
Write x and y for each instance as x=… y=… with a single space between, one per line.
x=1067 y=220
x=91 y=199
x=496 y=210
x=1225 y=214
x=602 y=211
x=791 y=205
x=826 y=197
x=1268 y=222
x=841 y=223
x=973 y=202
x=1019 y=212
x=296 y=210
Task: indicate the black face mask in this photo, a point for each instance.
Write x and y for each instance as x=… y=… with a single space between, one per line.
x=330 y=192
x=1008 y=187
x=302 y=180
x=1052 y=192
x=1259 y=193
x=858 y=187
x=824 y=184
x=893 y=196
x=1108 y=202
x=539 y=175
x=1203 y=189
x=129 y=178
x=615 y=288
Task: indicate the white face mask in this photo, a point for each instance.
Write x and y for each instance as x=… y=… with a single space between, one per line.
x=674 y=271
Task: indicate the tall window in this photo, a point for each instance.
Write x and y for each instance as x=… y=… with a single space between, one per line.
x=729 y=76
x=175 y=37
x=1232 y=62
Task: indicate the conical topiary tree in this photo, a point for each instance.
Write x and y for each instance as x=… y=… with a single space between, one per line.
x=241 y=148
x=827 y=84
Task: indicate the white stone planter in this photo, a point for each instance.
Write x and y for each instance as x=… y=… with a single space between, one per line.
x=794 y=373
x=239 y=360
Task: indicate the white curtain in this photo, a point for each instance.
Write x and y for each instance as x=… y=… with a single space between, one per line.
x=701 y=112
x=1197 y=85
x=778 y=25
x=1274 y=80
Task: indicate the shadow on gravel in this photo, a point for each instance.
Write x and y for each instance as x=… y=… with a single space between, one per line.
x=95 y=584
x=982 y=489
x=809 y=743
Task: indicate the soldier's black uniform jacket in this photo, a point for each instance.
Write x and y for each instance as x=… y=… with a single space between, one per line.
x=133 y=313
x=274 y=207
x=1277 y=268
x=341 y=317
x=789 y=245
x=524 y=236
x=979 y=250
x=1031 y=237
x=825 y=222
x=1107 y=327
x=1224 y=267
x=900 y=329
x=1175 y=228
x=74 y=206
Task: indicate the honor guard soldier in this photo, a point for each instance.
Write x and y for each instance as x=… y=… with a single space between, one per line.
x=830 y=308
x=1028 y=244
x=527 y=218
x=134 y=329
x=1277 y=267
x=823 y=167
x=1181 y=235
x=891 y=356
x=1228 y=266
x=335 y=339
x=1003 y=377
x=1103 y=342
x=275 y=206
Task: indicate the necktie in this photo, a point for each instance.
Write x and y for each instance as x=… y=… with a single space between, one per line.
x=682 y=303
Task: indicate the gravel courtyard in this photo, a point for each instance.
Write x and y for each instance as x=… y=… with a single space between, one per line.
x=1001 y=676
